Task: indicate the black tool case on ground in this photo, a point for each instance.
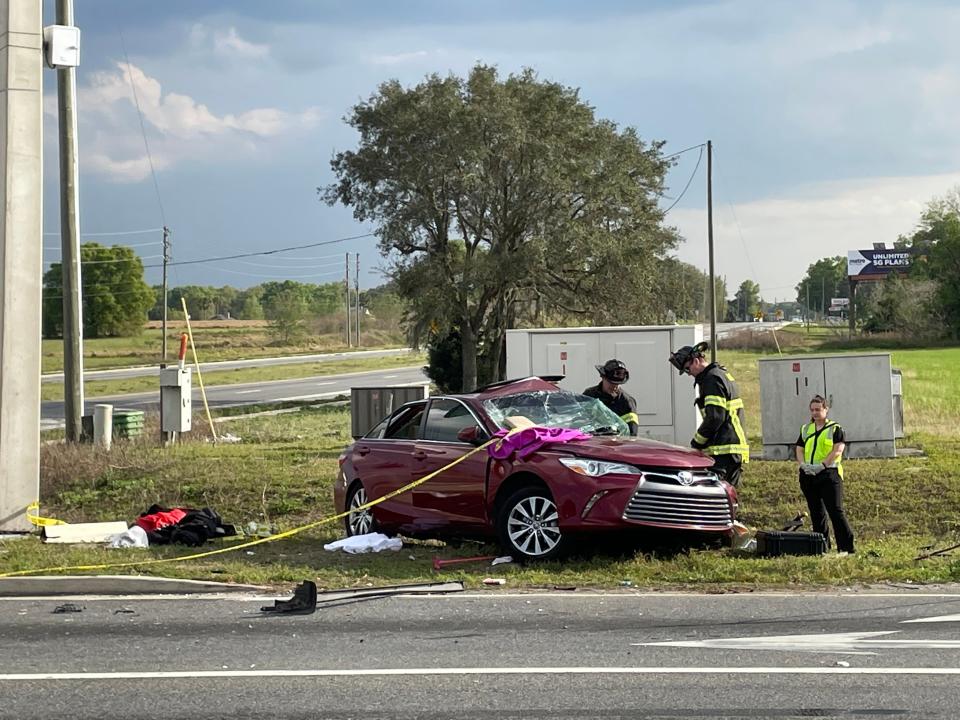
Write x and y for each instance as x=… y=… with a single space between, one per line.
x=777 y=542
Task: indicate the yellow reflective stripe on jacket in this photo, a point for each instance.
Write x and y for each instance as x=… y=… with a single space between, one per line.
x=740 y=447
x=630 y=418
x=742 y=450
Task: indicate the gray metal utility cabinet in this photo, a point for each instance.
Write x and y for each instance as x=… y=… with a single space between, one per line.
x=664 y=398
x=370 y=405
x=858 y=386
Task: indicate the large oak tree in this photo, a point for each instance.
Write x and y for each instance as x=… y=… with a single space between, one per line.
x=491 y=193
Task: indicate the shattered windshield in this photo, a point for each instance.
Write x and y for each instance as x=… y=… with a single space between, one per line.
x=557 y=408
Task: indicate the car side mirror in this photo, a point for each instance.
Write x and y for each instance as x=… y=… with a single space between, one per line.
x=470 y=435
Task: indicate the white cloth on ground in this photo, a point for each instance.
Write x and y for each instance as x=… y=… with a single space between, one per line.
x=135 y=536
x=371 y=542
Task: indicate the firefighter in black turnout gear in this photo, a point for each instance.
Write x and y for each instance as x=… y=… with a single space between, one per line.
x=720 y=434
x=613 y=374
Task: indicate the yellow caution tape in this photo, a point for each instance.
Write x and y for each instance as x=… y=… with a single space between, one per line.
x=261 y=541
x=33 y=515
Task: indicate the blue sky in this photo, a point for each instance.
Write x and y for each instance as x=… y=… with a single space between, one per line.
x=833 y=122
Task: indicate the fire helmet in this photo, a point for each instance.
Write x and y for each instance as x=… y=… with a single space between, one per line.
x=614 y=371
x=681 y=357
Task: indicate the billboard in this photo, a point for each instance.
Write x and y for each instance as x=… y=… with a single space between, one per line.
x=876 y=264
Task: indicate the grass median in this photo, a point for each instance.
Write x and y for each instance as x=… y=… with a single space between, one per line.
x=282 y=471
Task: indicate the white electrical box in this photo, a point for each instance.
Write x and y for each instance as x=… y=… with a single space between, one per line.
x=860 y=390
x=176 y=404
x=664 y=398
x=61 y=46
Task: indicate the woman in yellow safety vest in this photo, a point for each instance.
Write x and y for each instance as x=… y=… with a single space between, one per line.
x=819 y=452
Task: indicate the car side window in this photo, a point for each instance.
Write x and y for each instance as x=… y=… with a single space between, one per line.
x=406 y=425
x=377 y=432
x=446 y=418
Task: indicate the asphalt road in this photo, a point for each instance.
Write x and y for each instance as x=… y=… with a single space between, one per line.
x=275 y=391
x=154 y=371
x=490 y=654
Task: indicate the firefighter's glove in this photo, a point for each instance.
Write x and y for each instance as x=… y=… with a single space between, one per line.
x=811 y=468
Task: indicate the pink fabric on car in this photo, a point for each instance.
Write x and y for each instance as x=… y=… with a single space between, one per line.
x=527 y=441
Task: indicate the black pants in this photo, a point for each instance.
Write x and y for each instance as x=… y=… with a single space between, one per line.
x=728 y=467
x=824 y=494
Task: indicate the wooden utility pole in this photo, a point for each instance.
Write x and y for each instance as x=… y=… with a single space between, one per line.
x=70 y=241
x=166 y=259
x=346 y=286
x=356 y=285
x=713 y=284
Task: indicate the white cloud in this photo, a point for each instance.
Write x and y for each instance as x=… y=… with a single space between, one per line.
x=230 y=43
x=179 y=126
x=399 y=58
x=782 y=236
x=226 y=43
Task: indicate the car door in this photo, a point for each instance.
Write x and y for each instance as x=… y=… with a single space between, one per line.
x=383 y=461
x=456 y=496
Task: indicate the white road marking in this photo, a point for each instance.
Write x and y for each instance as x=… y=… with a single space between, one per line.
x=941 y=618
x=389 y=377
x=326 y=383
x=854 y=643
x=315 y=396
x=385 y=672
x=247 y=392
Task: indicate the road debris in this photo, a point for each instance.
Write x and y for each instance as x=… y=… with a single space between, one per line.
x=68 y=608
x=303 y=602
x=494 y=581
x=440 y=563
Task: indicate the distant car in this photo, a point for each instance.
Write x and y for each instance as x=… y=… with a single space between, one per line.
x=610 y=481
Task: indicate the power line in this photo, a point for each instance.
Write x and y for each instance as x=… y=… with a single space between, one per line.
x=681 y=152
x=274 y=275
x=289 y=267
x=104 y=262
x=743 y=242
x=690 y=180
x=268 y=252
x=132 y=245
x=143 y=130
x=108 y=234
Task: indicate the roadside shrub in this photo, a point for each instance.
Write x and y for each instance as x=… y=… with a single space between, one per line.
x=763 y=340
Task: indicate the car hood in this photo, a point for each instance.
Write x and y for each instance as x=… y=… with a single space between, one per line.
x=635 y=451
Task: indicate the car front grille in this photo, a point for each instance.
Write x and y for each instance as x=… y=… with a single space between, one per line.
x=662 y=499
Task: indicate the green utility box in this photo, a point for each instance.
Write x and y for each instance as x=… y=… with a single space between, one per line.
x=126 y=424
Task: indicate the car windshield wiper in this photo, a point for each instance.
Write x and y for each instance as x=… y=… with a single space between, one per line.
x=604 y=430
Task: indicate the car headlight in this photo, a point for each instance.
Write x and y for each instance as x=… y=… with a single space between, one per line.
x=596 y=468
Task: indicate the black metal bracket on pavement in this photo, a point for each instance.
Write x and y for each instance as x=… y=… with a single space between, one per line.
x=306 y=598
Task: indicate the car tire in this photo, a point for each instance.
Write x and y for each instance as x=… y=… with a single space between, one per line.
x=358 y=523
x=528 y=525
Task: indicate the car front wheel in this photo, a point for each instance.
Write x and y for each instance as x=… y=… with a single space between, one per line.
x=358 y=522
x=528 y=525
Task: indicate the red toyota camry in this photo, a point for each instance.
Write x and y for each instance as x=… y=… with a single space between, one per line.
x=608 y=481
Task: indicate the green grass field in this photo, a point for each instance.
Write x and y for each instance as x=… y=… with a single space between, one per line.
x=215 y=340
x=282 y=472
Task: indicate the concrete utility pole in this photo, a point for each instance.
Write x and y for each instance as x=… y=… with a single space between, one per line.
x=70 y=241
x=21 y=265
x=166 y=259
x=713 y=284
